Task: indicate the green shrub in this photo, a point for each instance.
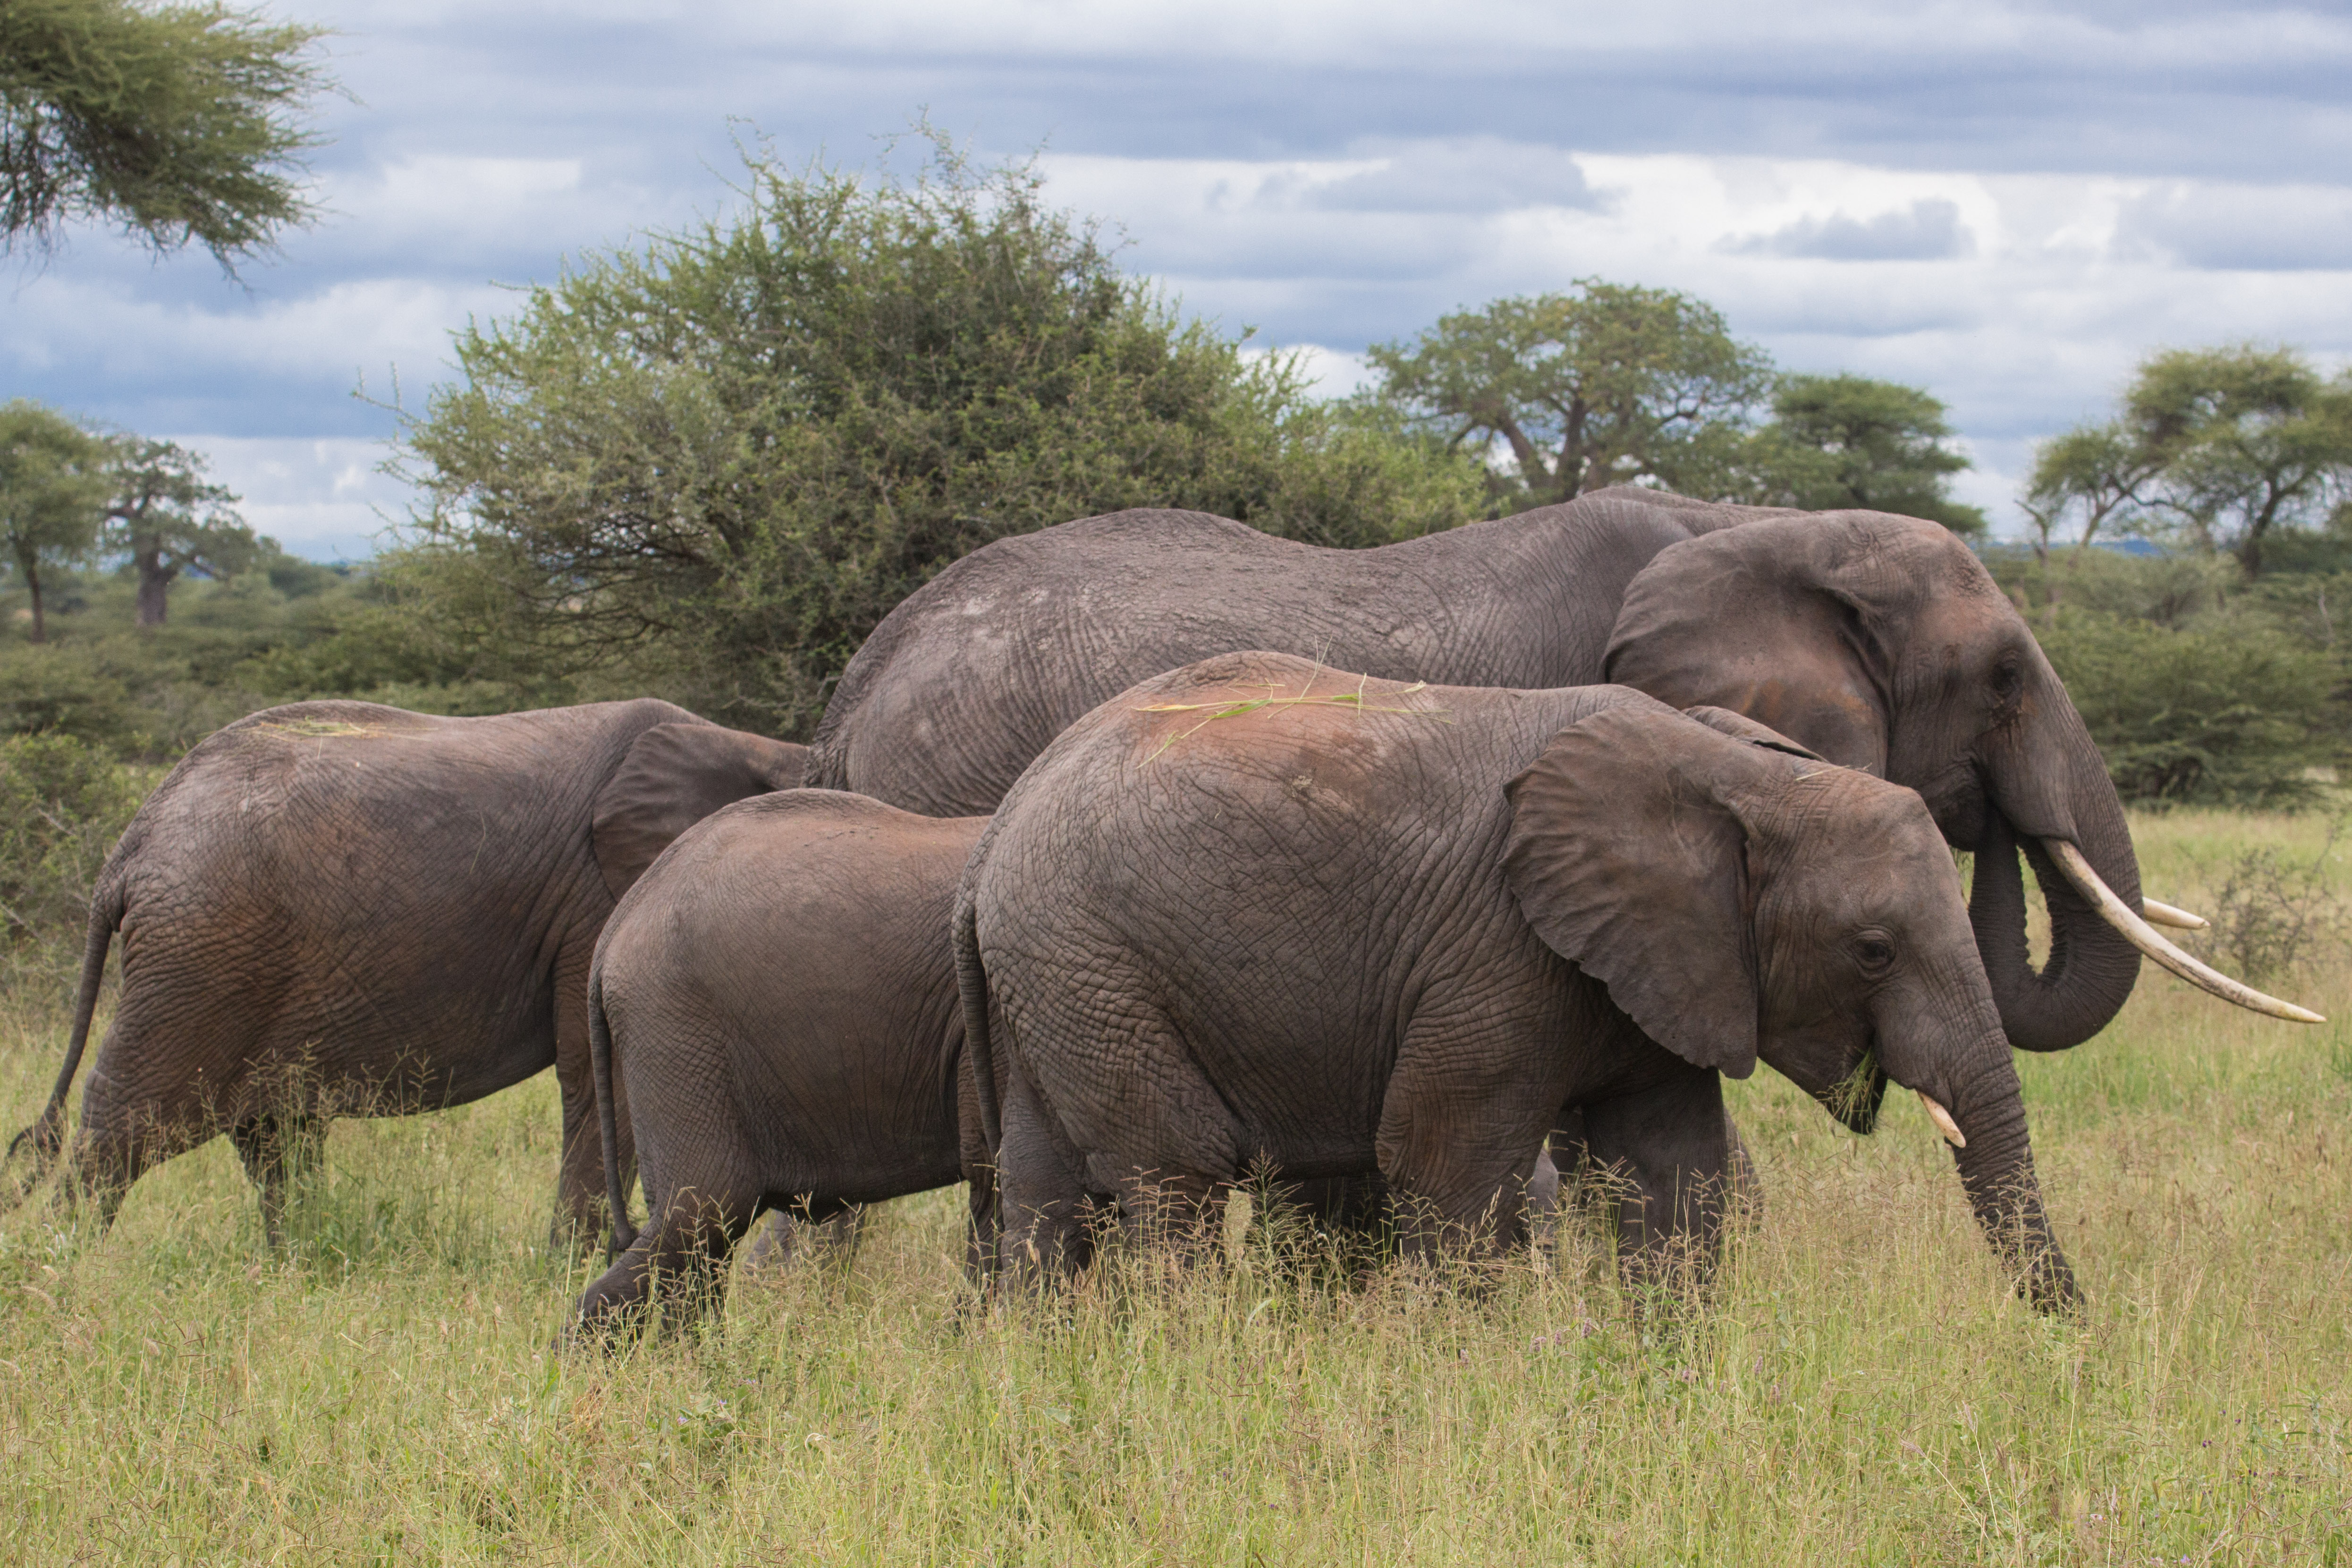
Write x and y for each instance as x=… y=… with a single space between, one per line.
x=2229 y=710
x=62 y=805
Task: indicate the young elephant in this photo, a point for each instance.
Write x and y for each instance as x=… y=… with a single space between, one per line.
x=1253 y=912
x=776 y=1003
x=339 y=909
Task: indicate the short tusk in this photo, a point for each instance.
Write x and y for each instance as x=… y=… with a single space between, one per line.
x=1943 y=1120
x=2145 y=937
x=2166 y=915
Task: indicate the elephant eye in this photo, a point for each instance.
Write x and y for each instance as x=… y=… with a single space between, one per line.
x=1873 y=953
x=2008 y=682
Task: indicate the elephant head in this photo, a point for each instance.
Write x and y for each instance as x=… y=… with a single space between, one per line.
x=1742 y=899
x=673 y=777
x=1883 y=644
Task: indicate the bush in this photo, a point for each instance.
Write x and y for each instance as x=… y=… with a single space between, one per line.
x=2231 y=709
x=716 y=461
x=62 y=805
x=2274 y=914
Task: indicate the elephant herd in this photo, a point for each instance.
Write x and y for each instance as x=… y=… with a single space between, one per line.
x=1147 y=855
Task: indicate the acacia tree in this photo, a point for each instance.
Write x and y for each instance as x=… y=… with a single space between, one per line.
x=1839 y=441
x=52 y=494
x=169 y=519
x=2223 y=447
x=1605 y=385
x=2085 y=479
x=717 y=460
x=180 y=122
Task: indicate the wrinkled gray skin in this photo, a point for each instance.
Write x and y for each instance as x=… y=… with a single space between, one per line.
x=1878 y=641
x=339 y=909
x=779 y=1008
x=1339 y=940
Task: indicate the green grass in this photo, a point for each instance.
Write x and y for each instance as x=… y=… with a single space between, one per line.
x=1862 y=1387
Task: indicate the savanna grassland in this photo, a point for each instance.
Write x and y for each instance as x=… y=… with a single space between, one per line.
x=1860 y=1386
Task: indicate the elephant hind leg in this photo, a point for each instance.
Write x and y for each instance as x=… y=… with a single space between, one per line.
x=581 y=1211
x=677 y=1263
x=277 y=1147
x=1044 y=1208
x=112 y=1154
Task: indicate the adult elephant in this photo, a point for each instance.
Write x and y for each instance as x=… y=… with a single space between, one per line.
x=340 y=908
x=1258 y=914
x=1879 y=642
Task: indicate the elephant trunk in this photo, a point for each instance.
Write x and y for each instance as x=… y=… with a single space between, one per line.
x=1997 y=1171
x=2092 y=966
x=2048 y=780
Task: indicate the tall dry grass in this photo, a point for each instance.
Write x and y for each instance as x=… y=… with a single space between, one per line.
x=1861 y=1388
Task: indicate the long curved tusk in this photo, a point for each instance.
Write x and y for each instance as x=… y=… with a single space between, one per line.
x=2167 y=915
x=1943 y=1120
x=2144 y=937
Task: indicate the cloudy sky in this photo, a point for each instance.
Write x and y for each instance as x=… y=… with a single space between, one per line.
x=2008 y=205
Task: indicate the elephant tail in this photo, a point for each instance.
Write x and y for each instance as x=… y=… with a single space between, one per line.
x=608 y=1120
x=43 y=1139
x=971 y=985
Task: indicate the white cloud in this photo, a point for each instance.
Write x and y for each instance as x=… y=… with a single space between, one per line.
x=2008 y=204
x=324 y=499
x=2031 y=326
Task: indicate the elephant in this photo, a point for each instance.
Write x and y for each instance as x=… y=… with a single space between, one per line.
x=1879 y=642
x=340 y=908
x=776 y=1002
x=1256 y=913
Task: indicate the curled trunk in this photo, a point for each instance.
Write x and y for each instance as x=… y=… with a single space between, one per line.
x=2091 y=967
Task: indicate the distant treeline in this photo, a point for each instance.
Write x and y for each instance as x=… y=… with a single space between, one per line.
x=704 y=467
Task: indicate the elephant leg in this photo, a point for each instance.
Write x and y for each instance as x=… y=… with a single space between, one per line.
x=1043 y=1201
x=1547 y=1192
x=1743 y=1186
x=1177 y=1209
x=580 y=1205
x=678 y=1262
x=979 y=1176
x=277 y=1147
x=109 y=1156
x=772 y=1243
x=777 y=1239
x=1663 y=1155
x=1459 y=1148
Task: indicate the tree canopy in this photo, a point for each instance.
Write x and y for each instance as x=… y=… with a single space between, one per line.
x=2223 y=449
x=180 y=122
x=52 y=494
x=1837 y=441
x=742 y=444
x=1608 y=383
x=167 y=518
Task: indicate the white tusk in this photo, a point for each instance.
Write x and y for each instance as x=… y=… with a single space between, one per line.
x=2145 y=937
x=2166 y=915
x=1943 y=1120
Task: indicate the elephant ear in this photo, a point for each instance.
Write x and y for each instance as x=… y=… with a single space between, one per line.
x=1627 y=860
x=673 y=777
x=1797 y=621
x=1739 y=727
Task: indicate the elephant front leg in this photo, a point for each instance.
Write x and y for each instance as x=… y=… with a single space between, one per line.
x=1459 y=1176
x=779 y=1239
x=277 y=1147
x=1663 y=1155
